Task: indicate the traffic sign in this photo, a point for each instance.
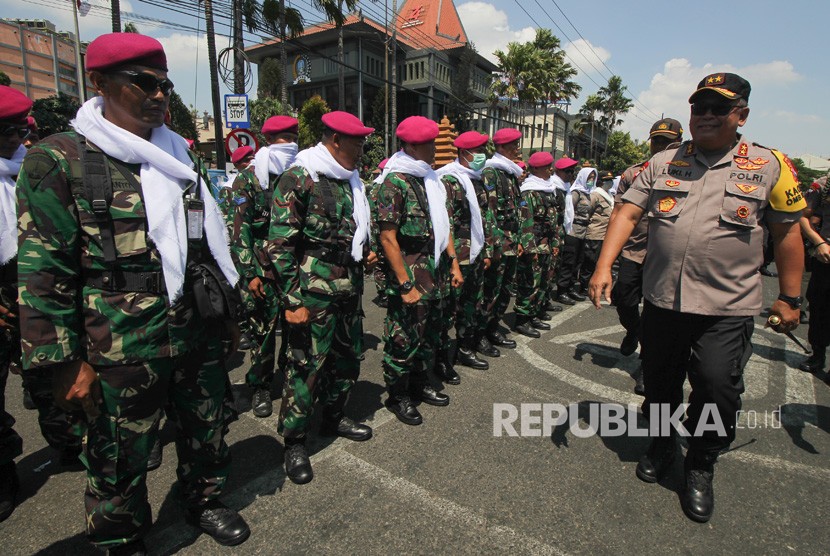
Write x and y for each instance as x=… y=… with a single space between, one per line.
x=237 y=114
x=240 y=138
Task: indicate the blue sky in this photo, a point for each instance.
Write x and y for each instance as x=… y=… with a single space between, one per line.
x=660 y=49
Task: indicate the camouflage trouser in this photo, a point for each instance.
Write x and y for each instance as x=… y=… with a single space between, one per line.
x=60 y=428
x=322 y=359
x=411 y=334
x=548 y=286
x=496 y=279
x=262 y=315
x=470 y=299
x=11 y=445
x=192 y=387
x=379 y=274
x=528 y=285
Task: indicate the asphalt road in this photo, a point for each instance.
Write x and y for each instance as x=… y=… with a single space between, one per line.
x=451 y=486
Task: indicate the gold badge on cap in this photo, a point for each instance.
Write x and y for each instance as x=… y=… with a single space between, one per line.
x=716 y=79
x=666 y=204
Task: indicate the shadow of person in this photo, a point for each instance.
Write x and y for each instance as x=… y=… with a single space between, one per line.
x=370 y=342
x=794 y=417
x=76 y=545
x=601 y=356
x=34 y=470
x=364 y=400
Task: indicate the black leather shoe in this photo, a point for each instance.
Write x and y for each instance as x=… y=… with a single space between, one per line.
x=657 y=460
x=28 y=402
x=154 y=460
x=565 y=300
x=698 y=496
x=640 y=387
x=225 y=525
x=136 y=548
x=525 y=329
x=538 y=324
x=444 y=370
x=485 y=348
x=404 y=410
x=552 y=308
x=766 y=271
x=468 y=358
x=9 y=487
x=577 y=296
x=815 y=363
x=629 y=344
x=543 y=316
x=297 y=464
x=430 y=396
x=244 y=343
x=345 y=427
x=261 y=404
x=498 y=339
x=382 y=301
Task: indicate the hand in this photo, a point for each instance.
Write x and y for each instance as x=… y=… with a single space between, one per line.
x=297 y=317
x=520 y=250
x=487 y=263
x=457 y=279
x=256 y=289
x=788 y=316
x=823 y=253
x=411 y=297
x=555 y=251
x=600 y=286
x=5 y=317
x=75 y=386
x=371 y=261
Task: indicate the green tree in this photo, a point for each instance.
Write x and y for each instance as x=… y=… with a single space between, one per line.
x=5 y=79
x=614 y=102
x=130 y=27
x=458 y=107
x=311 y=126
x=588 y=115
x=270 y=78
x=806 y=176
x=262 y=109
x=181 y=119
x=53 y=114
x=622 y=152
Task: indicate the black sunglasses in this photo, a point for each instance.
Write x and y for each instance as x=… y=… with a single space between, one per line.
x=147 y=82
x=8 y=131
x=717 y=109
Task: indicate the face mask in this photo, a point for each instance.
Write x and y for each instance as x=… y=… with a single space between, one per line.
x=477 y=163
x=591 y=183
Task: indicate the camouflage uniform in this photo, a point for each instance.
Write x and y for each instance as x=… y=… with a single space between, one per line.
x=224 y=198
x=251 y=218
x=380 y=270
x=503 y=188
x=145 y=352
x=309 y=244
x=411 y=333
x=538 y=225
x=556 y=238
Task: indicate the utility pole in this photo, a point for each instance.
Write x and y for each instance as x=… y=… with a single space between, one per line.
x=238 y=47
x=79 y=70
x=214 y=86
x=386 y=78
x=393 y=111
x=115 y=7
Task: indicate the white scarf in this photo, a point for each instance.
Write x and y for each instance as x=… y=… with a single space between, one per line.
x=436 y=195
x=605 y=195
x=613 y=190
x=535 y=183
x=273 y=159
x=503 y=163
x=318 y=160
x=166 y=169
x=580 y=184
x=9 y=168
x=465 y=176
x=565 y=187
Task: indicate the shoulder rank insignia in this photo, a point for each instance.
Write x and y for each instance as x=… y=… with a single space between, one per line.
x=672 y=183
x=678 y=163
x=746 y=188
x=743 y=149
x=742 y=212
x=666 y=204
x=749 y=166
x=645 y=165
x=690 y=149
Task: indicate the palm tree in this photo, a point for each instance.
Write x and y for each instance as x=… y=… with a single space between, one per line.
x=115 y=7
x=588 y=113
x=278 y=19
x=614 y=102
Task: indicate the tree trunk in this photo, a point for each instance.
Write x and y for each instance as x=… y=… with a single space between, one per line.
x=341 y=73
x=116 y=16
x=239 y=45
x=544 y=130
x=283 y=60
x=533 y=129
x=591 y=149
x=214 y=85
x=393 y=97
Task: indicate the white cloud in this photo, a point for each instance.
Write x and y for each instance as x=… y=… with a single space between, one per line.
x=488 y=28
x=580 y=56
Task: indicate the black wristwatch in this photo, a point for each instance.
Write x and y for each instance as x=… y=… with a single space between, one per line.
x=407 y=286
x=794 y=302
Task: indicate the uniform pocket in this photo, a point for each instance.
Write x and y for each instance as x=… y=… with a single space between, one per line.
x=742 y=203
x=668 y=197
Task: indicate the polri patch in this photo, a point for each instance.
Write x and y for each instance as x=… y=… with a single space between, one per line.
x=742 y=212
x=666 y=204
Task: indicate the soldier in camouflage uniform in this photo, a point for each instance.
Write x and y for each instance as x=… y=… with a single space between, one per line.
x=473 y=224
x=414 y=232
x=252 y=195
x=538 y=210
x=379 y=272
x=318 y=241
x=106 y=306
x=501 y=180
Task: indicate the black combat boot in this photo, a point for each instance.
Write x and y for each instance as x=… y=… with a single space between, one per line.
x=629 y=343
x=335 y=423
x=524 y=328
x=544 y=316
x=443 y=368
x=537 y=323
x=427 y=394
x=549 y=306
x=28 y=402
x=497 y=338
x=401 y=404
x=815 y=363
x=698 y=496
x=640 y=386
x=154 y=459
x=565 y=299
x=485 y=348
x=223 y=524
x=261 y=404
x=577 y=295
x=466 y=355
x=656 y=462
x=9 y=486
x=297 y=464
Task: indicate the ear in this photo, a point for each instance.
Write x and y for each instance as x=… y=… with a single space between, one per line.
x=100 y=82
x=744 y=116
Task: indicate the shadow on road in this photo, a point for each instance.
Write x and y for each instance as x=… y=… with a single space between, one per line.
x=796 y=415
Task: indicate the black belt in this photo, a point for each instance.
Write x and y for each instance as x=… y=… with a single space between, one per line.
x=510 y=226
x=414 y=245
x=340 y=257
x=126 y=281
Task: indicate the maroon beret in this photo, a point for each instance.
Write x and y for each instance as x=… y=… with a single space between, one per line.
x=564 y=163
x=537 y=160
x=280 y=124
x=470 y=140
x=521 y=165
x=382 y=164
x=31 y=123
x=14 y=106
x=345 y=123
x=241 y=153
x=118 y=49
x=416 y=130
x=506 y=135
